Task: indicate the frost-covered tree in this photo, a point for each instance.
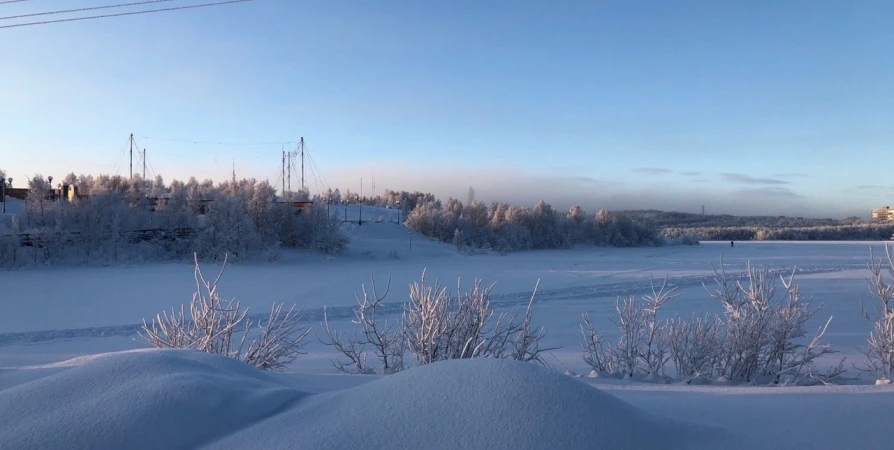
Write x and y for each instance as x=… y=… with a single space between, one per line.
x=879 y=350
x=37 y=200
x=120 y=218
x=505 y=228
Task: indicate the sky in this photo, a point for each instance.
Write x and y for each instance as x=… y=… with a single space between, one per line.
x=745 y=107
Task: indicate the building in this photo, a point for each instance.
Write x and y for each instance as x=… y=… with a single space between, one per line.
x=883 y=214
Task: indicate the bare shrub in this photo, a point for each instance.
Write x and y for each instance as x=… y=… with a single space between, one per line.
x=760 y=335
x=642 y=348
x=434 y=327
x=630 y=322
x=694 y=346
x=758 y=338
x=527 y=340
x=384 y=336
x=212 y=326
x=879 y=351
x=593 y=344
x=439 y=327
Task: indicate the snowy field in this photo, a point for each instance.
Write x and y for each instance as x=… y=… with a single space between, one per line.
x=51 y=315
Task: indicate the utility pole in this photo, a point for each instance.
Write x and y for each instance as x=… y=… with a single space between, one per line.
x=144 y=163
x=303 y=187
x=234 y=171
x=131 y=156
x=283 y=174
x=289 y=159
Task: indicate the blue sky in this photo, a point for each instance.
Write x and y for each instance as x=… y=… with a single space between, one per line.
x=744 y=106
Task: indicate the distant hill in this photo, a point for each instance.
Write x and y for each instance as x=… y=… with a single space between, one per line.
x=672 y=219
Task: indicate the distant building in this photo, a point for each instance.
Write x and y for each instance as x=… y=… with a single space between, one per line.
x=883 y=214
x=299 y=206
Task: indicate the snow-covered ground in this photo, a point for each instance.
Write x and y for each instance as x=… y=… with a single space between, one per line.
x=13 y=206
x=54 y=314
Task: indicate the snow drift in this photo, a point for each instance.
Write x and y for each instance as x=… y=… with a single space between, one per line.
x=170 y=399
x=177 y=399
x=472 y=403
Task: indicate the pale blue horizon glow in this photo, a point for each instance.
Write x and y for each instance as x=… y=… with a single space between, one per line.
x=747 y=107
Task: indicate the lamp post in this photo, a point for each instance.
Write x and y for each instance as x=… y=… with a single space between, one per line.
x=3 y=193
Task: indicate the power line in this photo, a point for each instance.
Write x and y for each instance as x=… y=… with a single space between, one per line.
x=234 y=144
x=131 y=13
x=90 y=8
x=12 y=1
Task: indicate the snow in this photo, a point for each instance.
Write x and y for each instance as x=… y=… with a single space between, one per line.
x=13 y=206
x=138 y=399
x=58 y=313
x=183 y=399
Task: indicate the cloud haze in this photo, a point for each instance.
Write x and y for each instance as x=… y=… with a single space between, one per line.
x=740 y=195
x=748 y=179
x=791 y=175
x=653 y=170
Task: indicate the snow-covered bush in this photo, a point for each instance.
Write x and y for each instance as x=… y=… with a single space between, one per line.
x=643 y=346
x=385 y=337
x=214 y=326
x=440 y=327
x=435 y=326
x=10 y=248
x=879 y=351
x=694 y=346
x=759 y=339
x=762 y=336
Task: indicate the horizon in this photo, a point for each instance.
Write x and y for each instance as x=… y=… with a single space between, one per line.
x=747 y=108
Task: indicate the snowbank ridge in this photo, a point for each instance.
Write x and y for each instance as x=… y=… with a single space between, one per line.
x=182 y=400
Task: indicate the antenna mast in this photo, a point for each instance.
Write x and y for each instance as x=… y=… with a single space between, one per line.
x=131 y=155
x=289 y=156
x=303 y=187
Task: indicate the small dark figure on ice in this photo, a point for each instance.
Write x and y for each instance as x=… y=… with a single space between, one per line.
x=731 y=244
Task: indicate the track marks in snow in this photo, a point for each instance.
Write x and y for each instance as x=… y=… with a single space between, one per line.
x=336 y=313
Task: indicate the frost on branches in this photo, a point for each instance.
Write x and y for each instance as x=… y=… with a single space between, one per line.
x=123 y=219
x=222 y=327
x=435 y=326
x=879 y=350
x=760 y=338
x=507 y=228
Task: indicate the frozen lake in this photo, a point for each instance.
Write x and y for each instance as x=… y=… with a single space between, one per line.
x=89 y=309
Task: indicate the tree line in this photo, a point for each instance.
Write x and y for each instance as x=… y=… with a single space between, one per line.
x=241 y=218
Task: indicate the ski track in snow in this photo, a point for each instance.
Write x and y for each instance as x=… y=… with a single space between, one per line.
x=390 y=309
